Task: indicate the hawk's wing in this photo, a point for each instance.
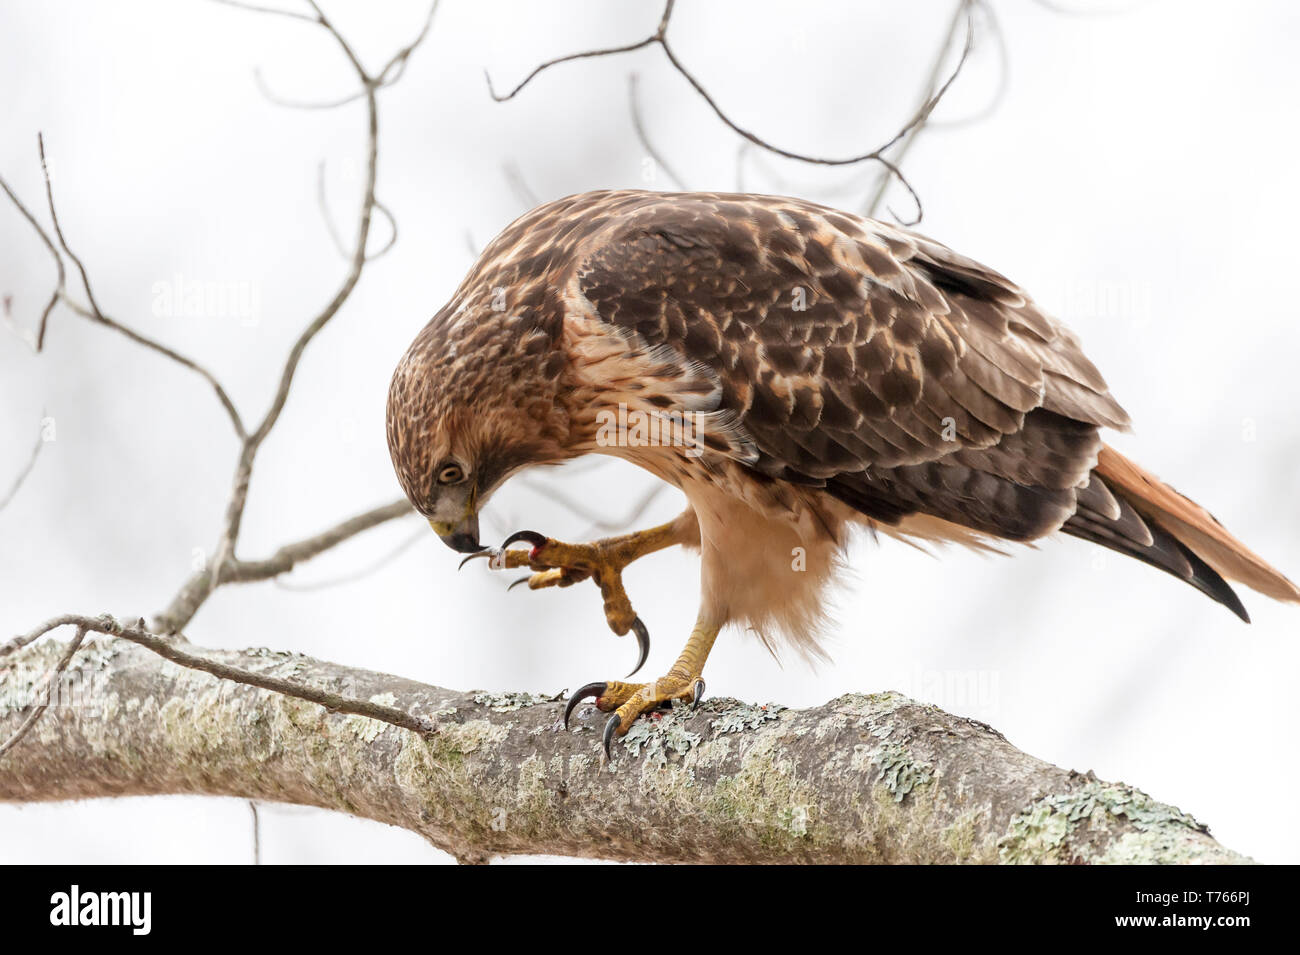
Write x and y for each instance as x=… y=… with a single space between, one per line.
x=872 y=361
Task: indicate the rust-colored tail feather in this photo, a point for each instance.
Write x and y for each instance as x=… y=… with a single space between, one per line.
x=1191 y=526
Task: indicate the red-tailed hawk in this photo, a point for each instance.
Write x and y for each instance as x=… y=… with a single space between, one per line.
x=795 y=371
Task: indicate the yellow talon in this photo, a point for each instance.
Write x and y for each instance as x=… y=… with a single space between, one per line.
x=627 y=701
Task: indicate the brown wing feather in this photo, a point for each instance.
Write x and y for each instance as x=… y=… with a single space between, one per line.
x=898 y=373
x=905 y=379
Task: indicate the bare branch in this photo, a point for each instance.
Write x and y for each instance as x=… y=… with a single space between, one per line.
x=95 y=313
x=58 y=230
x=390 y=74
x=23 y=639
x=275 y=99
x=226 y=569
x=323 y=204
x=597 y=522
x=285 y=103
x=51 y=680
x=396 y=66
x=1004 y=73
x=611 y=51
x=660 y=37
x=392 y=235
x=851 y=187
x=21 y=477
x=257 y=8
x=929 y=96
x=60 y=282
x=420 y=533
x=290 y=555
x=1088 y=11
x=634 y=106
x=257 y=833
x=519 y=185
x=192 y=595
x=169 y=649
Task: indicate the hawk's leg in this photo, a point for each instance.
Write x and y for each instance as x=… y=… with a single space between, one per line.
x=627 y=701
x=557 y=564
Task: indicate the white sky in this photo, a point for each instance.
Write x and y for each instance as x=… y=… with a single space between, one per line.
x=1138 y=178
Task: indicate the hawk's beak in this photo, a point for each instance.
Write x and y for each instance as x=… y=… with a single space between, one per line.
x=461 y=536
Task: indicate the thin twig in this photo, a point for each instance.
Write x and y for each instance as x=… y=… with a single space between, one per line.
x=291 y=555
x=256 y=8
x=611 y=51
x=257 y=833
x=232 y=524
x=634 y=106
x=390 y=74
x=519 y=185
x=230 y=570
x=21 y=477
x=170 y=650
x=392 y=235
x=51 y=679
x=396 y=66
x=596 y=521
x=97 y=314
x=1088 y=12
x=1004 y=74
x=323 y=204
x=784 y=185
x=275 y=99
x=962 y=10
x=60 y=282
x=878 y=155
x=232 y=412
x=421 y=533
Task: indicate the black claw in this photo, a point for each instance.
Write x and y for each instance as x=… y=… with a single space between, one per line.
x=611 y=724
x=592 y=690
x=521 y=580
x=643 y=643
x=697 y=694
x=534 y=538
x=485 y=552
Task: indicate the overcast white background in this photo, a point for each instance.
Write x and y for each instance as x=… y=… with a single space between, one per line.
x=1138 y=178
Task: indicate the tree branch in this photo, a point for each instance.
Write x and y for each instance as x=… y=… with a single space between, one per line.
x=876 y=778
x=38 y=341
x=199 y=587
x=877 y=155
x=21 y=477
x=232 y=570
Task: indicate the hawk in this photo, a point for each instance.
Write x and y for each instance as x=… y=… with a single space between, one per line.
x=796 y=372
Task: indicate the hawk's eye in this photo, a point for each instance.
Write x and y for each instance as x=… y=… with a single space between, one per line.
x=451 y=474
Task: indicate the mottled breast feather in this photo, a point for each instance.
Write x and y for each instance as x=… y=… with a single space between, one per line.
x=857 y=356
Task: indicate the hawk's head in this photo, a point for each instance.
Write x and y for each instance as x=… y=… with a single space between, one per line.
x=473 y=401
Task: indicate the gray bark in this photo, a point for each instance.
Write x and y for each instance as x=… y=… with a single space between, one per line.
x=864 y=778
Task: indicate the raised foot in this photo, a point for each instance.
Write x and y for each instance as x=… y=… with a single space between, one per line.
x=627 y=701
x=557 y=564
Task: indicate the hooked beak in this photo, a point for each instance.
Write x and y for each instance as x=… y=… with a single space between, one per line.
x=461 y=536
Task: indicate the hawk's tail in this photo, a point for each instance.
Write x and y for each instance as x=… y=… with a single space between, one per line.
x=1132 y=511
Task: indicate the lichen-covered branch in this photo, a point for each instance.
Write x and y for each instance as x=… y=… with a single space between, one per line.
x=876 y=778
